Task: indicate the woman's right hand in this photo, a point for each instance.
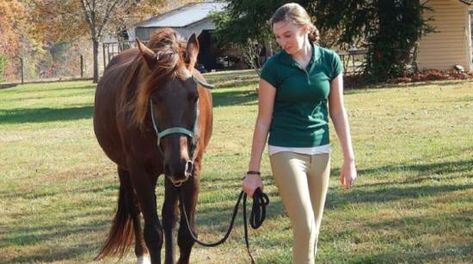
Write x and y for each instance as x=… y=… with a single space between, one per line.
x=251 y=182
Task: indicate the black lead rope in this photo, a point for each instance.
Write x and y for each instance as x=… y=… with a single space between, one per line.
x=257 y=216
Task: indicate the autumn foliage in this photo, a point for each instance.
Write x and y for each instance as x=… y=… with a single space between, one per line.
x=13 y=24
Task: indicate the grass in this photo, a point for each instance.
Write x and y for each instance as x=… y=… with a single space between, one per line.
x=412 y=203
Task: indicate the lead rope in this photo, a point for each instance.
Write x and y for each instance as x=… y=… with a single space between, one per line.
x=257 y=217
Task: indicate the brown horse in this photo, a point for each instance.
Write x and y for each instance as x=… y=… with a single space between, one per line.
x=153 y=115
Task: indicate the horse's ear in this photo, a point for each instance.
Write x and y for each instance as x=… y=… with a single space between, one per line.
x=147 y=53
x=192 y=51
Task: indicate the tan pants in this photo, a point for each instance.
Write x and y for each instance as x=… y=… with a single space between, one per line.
x=302 y=181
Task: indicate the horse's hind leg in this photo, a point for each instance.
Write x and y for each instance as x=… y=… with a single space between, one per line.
x=185 y=241
x=132 y=204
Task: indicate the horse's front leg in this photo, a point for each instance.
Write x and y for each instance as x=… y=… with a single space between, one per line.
x=144 y=185
x=189 y=193
x=169 y=220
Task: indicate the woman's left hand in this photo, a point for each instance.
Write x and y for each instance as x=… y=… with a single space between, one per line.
x=348 y=174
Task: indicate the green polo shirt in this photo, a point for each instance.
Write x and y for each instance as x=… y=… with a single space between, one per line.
x=300 y=114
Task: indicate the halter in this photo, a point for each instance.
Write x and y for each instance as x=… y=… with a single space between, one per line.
x=180 y=130
x=176 y=130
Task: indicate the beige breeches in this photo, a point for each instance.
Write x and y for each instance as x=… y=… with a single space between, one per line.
x=302 y=181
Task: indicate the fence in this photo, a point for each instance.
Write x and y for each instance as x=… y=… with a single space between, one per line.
x=110 y=49
x=29 y=69
x=353 y=60
x=26 y=69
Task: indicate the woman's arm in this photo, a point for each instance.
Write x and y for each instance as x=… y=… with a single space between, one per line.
x=266 y=95
x=339 y=117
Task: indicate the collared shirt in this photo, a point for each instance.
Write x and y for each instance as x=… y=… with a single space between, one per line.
x=300 y=114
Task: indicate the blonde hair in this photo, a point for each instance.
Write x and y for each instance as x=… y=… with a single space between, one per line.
x=295 y=13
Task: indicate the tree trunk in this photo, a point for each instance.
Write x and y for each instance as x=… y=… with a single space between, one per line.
x=96 y=59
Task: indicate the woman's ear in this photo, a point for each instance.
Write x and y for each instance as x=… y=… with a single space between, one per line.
x=306 y=28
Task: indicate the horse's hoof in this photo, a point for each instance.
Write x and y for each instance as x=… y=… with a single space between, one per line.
x=143 y=260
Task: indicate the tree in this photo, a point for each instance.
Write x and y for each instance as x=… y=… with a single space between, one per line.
x=97 y=14
x=95 y=18
x=69 y=20
x=243 y=20
x=13 y=24
x=389 y=29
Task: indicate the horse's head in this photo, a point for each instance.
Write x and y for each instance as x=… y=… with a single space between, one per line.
x=172 y=101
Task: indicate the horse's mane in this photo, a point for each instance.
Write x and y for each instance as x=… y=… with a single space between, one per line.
x=170 y=49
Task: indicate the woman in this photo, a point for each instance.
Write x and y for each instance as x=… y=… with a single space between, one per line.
x=299 y=88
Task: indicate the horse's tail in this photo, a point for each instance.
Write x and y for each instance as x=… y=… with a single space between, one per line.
x=121 y=233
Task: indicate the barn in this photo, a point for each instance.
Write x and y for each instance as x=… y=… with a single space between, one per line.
x=188 y=19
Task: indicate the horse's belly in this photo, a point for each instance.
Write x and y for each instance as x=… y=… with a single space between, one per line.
x=105 y=126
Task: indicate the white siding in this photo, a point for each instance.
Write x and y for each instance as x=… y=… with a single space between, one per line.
x=450 y=45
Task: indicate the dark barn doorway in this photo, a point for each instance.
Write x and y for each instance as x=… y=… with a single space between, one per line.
x=207 y=52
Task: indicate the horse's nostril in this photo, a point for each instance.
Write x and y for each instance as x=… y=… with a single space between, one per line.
x=188 y=169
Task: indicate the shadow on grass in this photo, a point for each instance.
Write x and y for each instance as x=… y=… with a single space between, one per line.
x=234 y=98
x=422 y=169
x=57 y=255
x=40 y=115
x=46 y=95
x=389 y=193
x=423 y=184
x=32 y=236
x=418 y=256
x=232 y=78
x=48 y=89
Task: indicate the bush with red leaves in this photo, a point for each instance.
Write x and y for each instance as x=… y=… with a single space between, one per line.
x=360 y=80
x=435 y=75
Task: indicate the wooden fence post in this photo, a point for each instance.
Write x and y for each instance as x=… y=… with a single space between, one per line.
x=22 y=71
x=81 y=66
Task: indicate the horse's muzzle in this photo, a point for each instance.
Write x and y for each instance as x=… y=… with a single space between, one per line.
x=187 y=173
x=177 y=183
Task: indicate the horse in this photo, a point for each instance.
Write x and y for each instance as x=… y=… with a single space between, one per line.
x=153 y=116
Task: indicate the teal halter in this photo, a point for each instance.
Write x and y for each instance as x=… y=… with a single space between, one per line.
x=175 y=130
x=180 y=130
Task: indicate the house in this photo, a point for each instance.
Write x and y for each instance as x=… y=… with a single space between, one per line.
x=451 y=44
x=188 y=19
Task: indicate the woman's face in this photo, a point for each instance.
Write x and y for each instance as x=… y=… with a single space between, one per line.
x=290 y=36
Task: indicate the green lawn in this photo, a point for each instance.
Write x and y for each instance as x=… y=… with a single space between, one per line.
x=412 y=203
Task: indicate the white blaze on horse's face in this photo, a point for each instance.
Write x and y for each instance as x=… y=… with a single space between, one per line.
x=175 y=105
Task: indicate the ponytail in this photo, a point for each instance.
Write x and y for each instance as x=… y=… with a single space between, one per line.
x=314 y=35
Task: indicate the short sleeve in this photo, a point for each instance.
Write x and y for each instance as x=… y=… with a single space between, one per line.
x=337 y=66
x=269 y=72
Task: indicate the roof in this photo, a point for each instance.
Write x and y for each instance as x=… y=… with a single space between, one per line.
x=183 y=16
